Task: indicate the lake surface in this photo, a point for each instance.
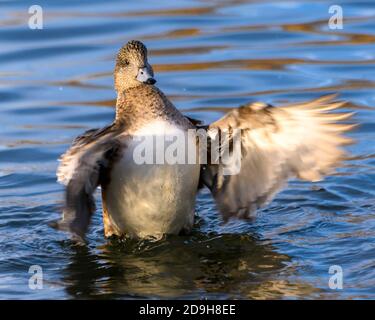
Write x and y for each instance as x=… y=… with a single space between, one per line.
x=57 y=82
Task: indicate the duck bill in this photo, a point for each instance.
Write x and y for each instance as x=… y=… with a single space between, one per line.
x=145 y=76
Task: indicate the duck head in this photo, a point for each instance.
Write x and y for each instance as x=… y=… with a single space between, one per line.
x=132 y=67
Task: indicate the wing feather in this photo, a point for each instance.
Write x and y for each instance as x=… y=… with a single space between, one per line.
x=299 y=140
x=80 y=171
x=70 y=160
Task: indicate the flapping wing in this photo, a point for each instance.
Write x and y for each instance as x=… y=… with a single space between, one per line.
x=300 y=140
x=81 y=171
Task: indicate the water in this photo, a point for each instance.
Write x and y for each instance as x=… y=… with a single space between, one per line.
x=208 y=55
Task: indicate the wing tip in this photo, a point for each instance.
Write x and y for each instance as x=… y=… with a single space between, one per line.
x=62 y=225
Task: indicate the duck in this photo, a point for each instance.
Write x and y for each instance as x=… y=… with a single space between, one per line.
x=151 y=199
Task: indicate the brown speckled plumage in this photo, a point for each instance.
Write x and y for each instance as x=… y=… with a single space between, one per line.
x=139 y=103
x=133 y=51
x=138 y=106
x=130 y=58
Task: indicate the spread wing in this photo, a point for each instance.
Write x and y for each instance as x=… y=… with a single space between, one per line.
x=300 y=140
x=81 y=171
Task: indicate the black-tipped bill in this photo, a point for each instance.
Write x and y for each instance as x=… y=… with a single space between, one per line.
x=145 y=76
x=151 y=81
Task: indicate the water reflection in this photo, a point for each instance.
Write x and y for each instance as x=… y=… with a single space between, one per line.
x=225 y=265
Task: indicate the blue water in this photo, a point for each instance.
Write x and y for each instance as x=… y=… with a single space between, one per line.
x=208 y=56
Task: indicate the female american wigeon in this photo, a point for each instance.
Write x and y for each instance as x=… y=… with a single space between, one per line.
x=150 y=200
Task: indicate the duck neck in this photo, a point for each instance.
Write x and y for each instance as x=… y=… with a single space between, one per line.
x=121 y=107
x=140 y=104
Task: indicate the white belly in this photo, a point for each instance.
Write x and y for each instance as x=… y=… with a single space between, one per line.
x=150 y=200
